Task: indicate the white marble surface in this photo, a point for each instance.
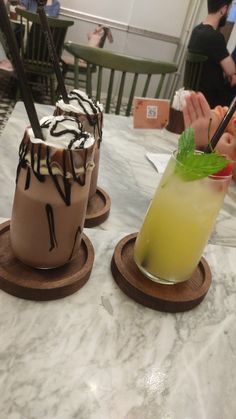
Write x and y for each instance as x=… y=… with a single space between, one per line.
x=125 y=172
x=98 y=354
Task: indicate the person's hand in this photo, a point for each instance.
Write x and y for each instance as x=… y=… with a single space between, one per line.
x=227 y=146
x=198 y=115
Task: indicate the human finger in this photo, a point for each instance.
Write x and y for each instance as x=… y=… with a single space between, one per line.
x=196 y=106
x=190 y=109
x=186 y=113
x=227 y=146
x=204 y=105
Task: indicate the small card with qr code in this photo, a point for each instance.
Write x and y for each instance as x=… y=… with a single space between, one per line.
x=150 y=113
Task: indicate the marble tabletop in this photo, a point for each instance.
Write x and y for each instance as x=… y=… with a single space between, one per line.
x=123 y=164
x=98 y=354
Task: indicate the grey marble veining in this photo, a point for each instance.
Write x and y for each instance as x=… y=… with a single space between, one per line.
x=98 y=354
x=125 y=173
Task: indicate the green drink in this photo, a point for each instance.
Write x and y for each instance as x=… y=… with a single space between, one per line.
x=179 y=220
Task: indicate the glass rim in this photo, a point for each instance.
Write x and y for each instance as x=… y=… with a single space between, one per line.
x=213 y=176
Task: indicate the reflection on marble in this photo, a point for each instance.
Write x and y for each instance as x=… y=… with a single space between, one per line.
x=98 y=354
x=125 y=172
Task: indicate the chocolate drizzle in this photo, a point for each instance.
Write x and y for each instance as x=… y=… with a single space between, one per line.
x=77 y=136
x=56 y=159
x=28 y=177
x=81 y=99
x=79 y=231
x=32 y=154
x=92 y=115
x=66 y=194
x=51 y=226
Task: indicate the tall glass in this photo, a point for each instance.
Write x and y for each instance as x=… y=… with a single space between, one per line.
x=50 y=202
x=90 y=114
x=178 y=224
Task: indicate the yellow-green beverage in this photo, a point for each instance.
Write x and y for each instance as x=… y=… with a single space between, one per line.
x=178 y=224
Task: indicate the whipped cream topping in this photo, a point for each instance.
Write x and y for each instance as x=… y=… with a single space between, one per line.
x=80 y=102
x=63 y=132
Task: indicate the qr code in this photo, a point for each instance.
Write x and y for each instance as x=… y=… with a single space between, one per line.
x=152 y=111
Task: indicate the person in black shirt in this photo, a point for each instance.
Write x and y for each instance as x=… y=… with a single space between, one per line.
x=218 y=79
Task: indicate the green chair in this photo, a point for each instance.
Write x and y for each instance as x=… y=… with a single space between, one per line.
x=193 y=70
x=117 y=88
x=34 y=48
x=93 y=40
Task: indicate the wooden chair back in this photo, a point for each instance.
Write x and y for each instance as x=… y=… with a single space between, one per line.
x=125 y=65
x=193 y=70
x=34 y=47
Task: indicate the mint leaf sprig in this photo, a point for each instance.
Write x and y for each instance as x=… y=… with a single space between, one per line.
x=191 y=165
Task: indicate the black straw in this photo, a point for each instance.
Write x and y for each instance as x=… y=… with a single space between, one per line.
x=51 y=48
x=18 y=66
x=221 y=128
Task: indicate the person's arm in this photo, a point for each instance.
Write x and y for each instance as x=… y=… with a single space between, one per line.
x=53 y=9
x=219 y=53
x=56 y=8
x=23 y=4
x=228 y=66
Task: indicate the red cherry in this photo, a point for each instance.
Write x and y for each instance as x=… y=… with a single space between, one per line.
x=226 y=171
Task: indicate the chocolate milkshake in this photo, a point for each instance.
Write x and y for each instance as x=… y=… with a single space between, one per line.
x=90 y=114
x=52 y=186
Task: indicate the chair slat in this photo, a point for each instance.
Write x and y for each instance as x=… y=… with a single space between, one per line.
x=109 y=92
x=120 y=93
x=160 y=84
x=99 y=84
x=146 y=86
x=76 y=72
x=131 y=96
x=88 y=81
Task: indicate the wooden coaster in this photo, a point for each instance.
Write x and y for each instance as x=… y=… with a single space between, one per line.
x=169 y=298
x=98 y=209
x=42 y=284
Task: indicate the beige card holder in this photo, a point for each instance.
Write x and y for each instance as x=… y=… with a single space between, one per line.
x=150 y=113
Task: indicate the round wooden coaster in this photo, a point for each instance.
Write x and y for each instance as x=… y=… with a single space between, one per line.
x=169 y=298
x=98 y=208
x=42 y=284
